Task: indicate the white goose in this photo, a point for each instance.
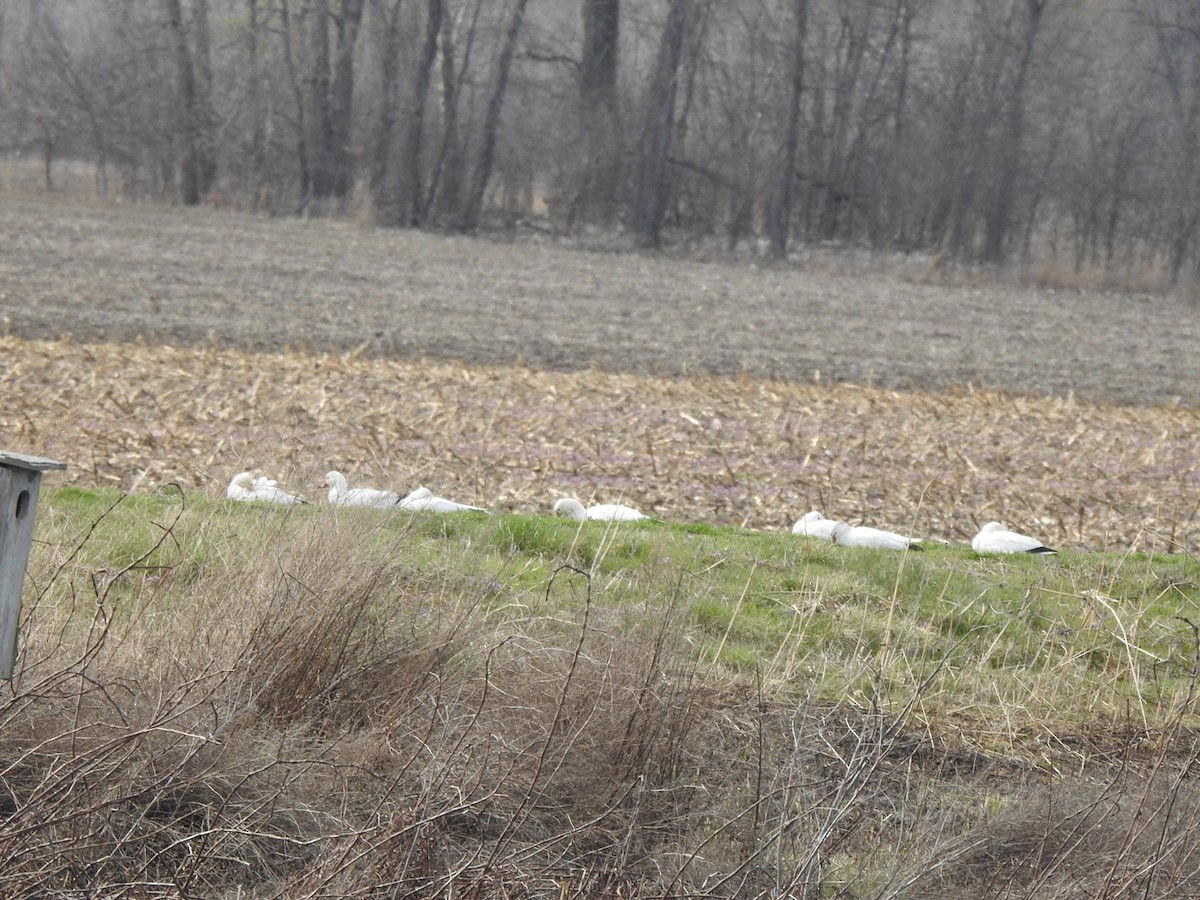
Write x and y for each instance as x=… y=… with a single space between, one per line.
x=424 y=500
x=248 y=488
x=813 y=524
x=605 y=512
x=340 y=494
x=862 y=536
x=995 y=538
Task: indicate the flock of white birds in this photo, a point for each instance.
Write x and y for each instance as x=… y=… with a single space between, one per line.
x=992 y=538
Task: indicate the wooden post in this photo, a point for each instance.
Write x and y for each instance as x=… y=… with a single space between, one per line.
x=20 y=477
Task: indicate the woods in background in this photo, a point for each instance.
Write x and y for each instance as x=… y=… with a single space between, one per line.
x=984 y=130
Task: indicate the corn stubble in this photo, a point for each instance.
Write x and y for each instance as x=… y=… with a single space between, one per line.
x=749 y=453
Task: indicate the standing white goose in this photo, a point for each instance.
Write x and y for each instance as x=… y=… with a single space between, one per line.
x=424 y=500
x=340 y=494
x=248 y=488
x=813 y=524
x=862 y=536
x=995 y=538
x=606 y=512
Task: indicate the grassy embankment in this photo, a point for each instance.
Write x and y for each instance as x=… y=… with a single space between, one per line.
x=220 y=699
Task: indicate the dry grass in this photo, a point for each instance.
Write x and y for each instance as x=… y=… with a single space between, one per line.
x=745 y=452
x=1126 y=835
x=299 y=719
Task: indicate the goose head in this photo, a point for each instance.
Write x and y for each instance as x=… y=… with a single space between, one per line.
x=571 y=508
x=335 y=483
x=241 y=486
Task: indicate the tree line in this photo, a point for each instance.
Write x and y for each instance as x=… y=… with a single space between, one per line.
x=981 y=130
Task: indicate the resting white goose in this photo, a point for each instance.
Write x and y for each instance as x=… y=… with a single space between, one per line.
x=605 y=512
x=995 y=538
x=248 y=488
x=862 y=536
x=424 y=500
x=813 y=524
x=340 y=494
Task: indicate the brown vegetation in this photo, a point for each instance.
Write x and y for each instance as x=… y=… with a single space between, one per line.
x=750 y=453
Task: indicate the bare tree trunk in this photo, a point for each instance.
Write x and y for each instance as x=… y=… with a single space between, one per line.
x=341 y=176
x=855 y=36
x=779 y=223
x=473 y=205
x=998 y=220
x=254 y=99
x=415 y=135
x=598 y=68
x=332 y=97
x=303 y=162
x=689 y=70
x=658 y=126
x=47 y=151
x=389 y=68
x=899 y=229
x=449 y=170
x=320 y=140
x=197 y=168
x=599 y=119
x=1126 y=149
x=1182 y=81
x=205 y=117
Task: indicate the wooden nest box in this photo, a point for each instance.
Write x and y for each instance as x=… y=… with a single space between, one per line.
x=20 y=477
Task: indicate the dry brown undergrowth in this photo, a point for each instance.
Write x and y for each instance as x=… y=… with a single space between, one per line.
x=744 y=452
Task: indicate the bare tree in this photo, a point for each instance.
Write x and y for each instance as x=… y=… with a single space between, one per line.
x=870 y=42
x=1175 y=26
x=449 y=170
x=658 y=127
x=256 y=140
x=598 y=67
x=890 y=221
x=321 y=137
x=99 y=82
x=343 y=97
x=600 y=121
x=779 y=223
x=303 y=163
x=975 y=130
x=398 y=198
x=197 y=164
x=385 y=126
x=332 y=97
x=998 y=218
x=414 y=135
x=473 y=202
x=201 y=46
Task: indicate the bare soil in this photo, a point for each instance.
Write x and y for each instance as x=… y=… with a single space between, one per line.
x=205 y=276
